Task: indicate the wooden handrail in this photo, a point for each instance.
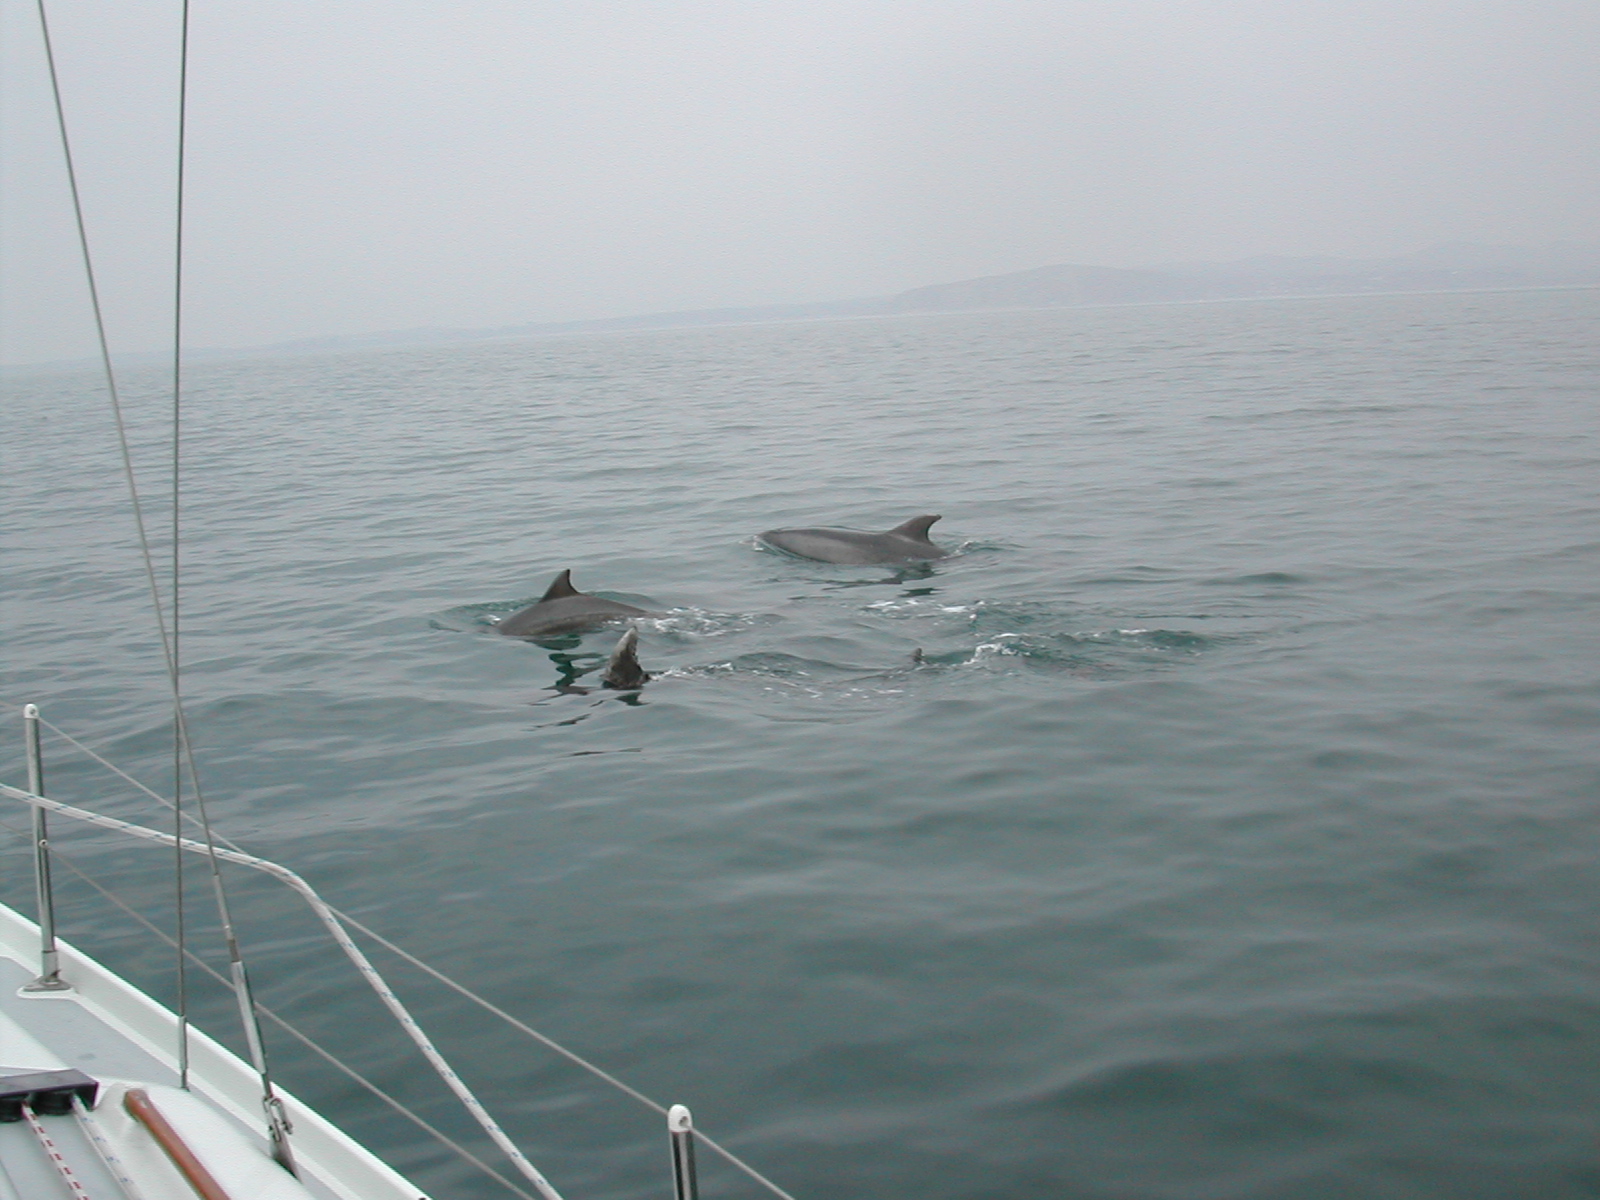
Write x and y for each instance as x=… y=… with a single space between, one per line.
x=142 y=1109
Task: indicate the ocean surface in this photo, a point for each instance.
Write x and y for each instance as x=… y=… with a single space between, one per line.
x=1235 y=833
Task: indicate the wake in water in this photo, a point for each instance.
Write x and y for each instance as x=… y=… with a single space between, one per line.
x=817 y=650
x=951 y=640
x=994 y=635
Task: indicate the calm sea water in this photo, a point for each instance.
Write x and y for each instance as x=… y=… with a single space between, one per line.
x=1236 y=835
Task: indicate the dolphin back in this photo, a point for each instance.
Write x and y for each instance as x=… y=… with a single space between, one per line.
x=564 y=609
x=904 y=543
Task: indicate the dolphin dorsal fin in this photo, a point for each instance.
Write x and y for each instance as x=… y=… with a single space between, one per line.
x=623 y=671
x=561 y=588
x=917 y=527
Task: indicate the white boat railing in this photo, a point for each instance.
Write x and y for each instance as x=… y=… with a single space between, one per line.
x=682 y=1133
x=327 y=1056
x=353 y=952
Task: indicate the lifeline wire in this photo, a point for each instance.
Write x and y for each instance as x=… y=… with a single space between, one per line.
x=351 y=951
x=284 y=1025
x=550 y=1043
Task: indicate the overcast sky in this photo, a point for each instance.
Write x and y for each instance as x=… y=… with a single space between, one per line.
x=358 y=165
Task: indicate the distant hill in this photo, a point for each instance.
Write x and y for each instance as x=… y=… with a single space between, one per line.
x=1454 y=266
x=1458 y=266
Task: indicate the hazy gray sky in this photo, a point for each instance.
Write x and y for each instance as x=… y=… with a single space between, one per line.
x=359 y=165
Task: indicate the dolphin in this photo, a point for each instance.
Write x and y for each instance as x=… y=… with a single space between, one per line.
x=623 y=672
x=903 y=543
x=564 y=609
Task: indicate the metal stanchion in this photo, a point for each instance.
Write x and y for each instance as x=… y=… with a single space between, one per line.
x=680 y=1128
x=49 y=957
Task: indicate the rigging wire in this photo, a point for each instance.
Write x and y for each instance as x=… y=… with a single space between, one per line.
x=277 y=1119
x=168 y=649
x=177 y=644
x=277 y=1123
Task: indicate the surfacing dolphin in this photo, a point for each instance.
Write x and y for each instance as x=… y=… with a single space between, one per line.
x=623 y=672
x=903 y=543
x=564 y=609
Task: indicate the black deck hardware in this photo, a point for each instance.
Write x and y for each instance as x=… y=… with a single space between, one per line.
x=48 y=1093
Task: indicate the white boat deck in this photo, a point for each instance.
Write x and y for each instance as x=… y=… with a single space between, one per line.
x=120 y=1037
